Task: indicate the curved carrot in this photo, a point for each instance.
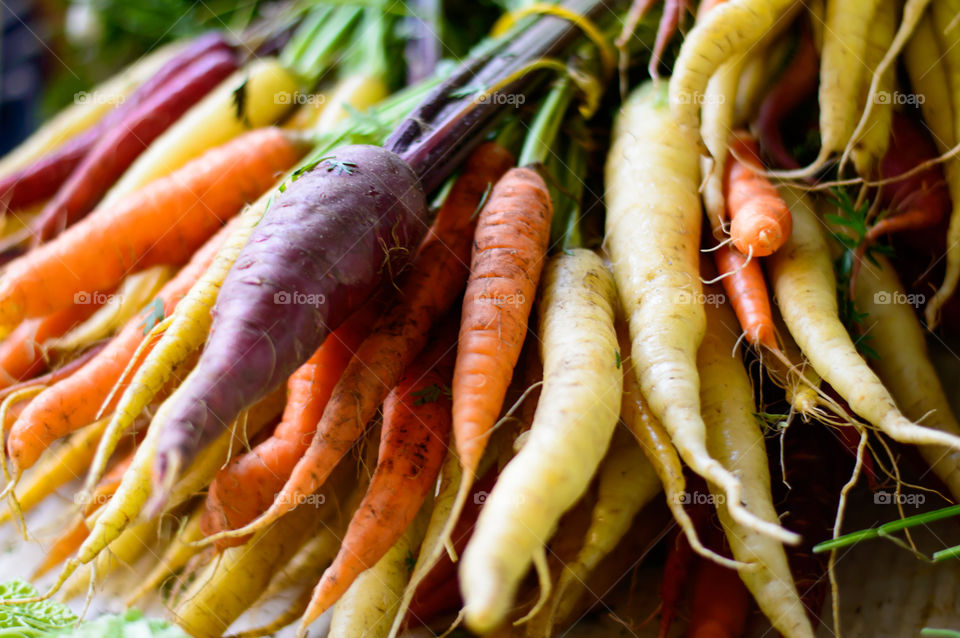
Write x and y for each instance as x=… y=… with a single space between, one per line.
x=416 y=426
x=22 y=354
x=163 y=223
x=76 y=401
x=247 y=487
x=720 y=603
x=744 y=283
x=760 y=221
x=116 y=149
x=431 y=286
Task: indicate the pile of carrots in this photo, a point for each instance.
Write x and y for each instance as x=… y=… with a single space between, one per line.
x=428 y=358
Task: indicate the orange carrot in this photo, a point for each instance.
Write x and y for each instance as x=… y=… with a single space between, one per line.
x=163 y=223
x=432 y=284
x=21 y=353
x=720 y=603
x=246 y=488
x=744 y=283
x=510 y=247
x=416 y=427
x=760 y=221
x=76 y=401
x=57 y=374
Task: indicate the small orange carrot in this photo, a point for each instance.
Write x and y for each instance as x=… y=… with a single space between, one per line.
x=21 y=353
x=744 y=283
x=247 y=487
x=76 y=401
x=431 y=286
x=760 y=221
x=163 y=223
x=509 y=251
x=720 y=603
x=416 y=427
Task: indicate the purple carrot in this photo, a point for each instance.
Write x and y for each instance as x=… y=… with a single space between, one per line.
x=122 y=144
x=41 y=179
x=322 y=250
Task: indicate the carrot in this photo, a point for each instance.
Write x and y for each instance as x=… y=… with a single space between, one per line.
x=903 y=364
x=84 y=114
x=77 y=401
x=247 y=487
x=716 y=121
x=575 y=419
x=431 y=286
x=759 y=219
x=416 y=427
x=653 y=240
x=135 y=540
x=626 y=482
x=43 y=178
x=805 y=288
x=720 y=603
x=669 y=19
x=795 y=84
x=677 y=569
x=305 y=262
x=65 y=544
x=734 y=437
x=164 y=224
x=743 y=281
x=131 y=297
x=370 y=605
x=22 y=352
x=177 y=554
x=726 y=30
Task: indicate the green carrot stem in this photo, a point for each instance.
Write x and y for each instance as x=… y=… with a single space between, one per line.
x=543 y=131
x=888 y=528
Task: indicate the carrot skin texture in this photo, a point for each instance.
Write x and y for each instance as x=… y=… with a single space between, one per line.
x=75 y=401
x=509 y=251
x=41 y=180
x=760 y=221
x=118 y=147
x=247 y=487
x=412 y=447
x=164 y=223
x=429 y=288
x=747 y=289
x=369 y=208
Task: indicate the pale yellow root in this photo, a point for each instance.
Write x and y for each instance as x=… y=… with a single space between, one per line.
x=369 y=607
x=123 y=552
x=574 y=421
x=229 y=585
x=929 y=78
x=182 y=334
x=358 y=91
x=626 y=482
x=653 y=236
x=734 y=437
x=136 y=291
x=868 y=144
x=731 y=28
x=213 y=121
x=88 y=108
x=663 y=457
x=882 y=74
x=64 y=463
x=903 y=364
x=948 y=33
x=177 y=554
x=717 y=122
x=805 y=290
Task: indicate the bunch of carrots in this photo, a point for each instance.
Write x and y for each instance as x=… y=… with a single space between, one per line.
x=395 y=348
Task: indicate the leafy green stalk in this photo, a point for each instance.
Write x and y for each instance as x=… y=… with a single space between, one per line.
x=543 y=131
x=314 y=56
x=887 y=529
